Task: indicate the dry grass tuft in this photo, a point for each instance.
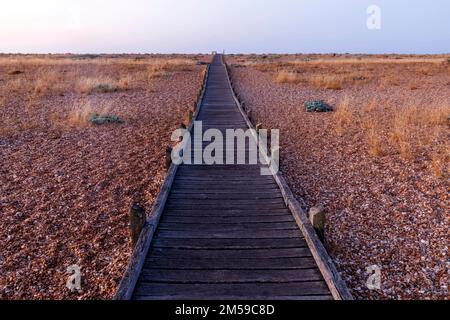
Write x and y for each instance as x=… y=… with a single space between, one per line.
x=331 y=82
x=400 y=135
x=344 y=116
x=80 y=114
x=155 y=71
x=375 y=141
x=106 y=84
x=439 y=162
x=406 y=130
x=285 y=76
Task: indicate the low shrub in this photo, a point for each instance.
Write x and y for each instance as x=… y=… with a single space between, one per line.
x=317 y=106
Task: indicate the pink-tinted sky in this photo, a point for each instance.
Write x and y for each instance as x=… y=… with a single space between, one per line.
x=81 y=26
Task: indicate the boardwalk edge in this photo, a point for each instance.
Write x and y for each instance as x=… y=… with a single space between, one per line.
x=128 y=282
x=324 y=262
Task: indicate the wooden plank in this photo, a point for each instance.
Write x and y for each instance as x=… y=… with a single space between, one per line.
x=229 y=276
x=223 y=205
x=224 y=219
x=207 y=291
x=225 y=196
x=237 y=213
x=228 y=243
x=231 y=253
x=230 y=264
x=226 y=178
x=239 y=234
x=222 y=169
x=216 y=187
x=222 y=202
x=231 y=194
x=220 y=173
x=227 y=227
x=231 y=297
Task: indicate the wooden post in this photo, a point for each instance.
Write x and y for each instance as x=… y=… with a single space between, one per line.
x=168 y=157
x=249 y=115
x=190 y=116
x=258 y=127
x=137 y=222
x=317 y=219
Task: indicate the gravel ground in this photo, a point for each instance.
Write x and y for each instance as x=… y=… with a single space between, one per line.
x=384 y=211
x=65 y=193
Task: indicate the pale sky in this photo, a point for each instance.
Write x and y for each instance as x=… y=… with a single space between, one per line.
x=238 y=26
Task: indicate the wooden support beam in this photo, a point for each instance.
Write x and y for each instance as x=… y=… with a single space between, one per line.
x=137 y=223
x=168 y=157
x=317 y=219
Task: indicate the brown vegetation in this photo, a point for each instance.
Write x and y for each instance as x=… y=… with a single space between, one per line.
x=66 y=185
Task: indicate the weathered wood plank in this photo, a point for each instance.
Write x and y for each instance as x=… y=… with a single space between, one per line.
x=229 y=276
x=216 y=205
x=224 y=219
x=181 y=213
x=224 y=203
x=230 y=264
x=227 y=227
x=206 y=291
x=229 y=243
x=224 y=195
x=232 y=253
x=214 y=186
x=251 y=297
x=236 y=234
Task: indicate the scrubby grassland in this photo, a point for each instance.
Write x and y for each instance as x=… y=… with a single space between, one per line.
x=66 y=184
x=378 y=163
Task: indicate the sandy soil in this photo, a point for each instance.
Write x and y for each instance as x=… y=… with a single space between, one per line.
x=386 y=209
x=66 y=188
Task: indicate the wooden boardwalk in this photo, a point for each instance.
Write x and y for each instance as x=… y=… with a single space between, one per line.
x=225 y=231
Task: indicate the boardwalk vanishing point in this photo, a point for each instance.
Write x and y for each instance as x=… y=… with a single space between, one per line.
x=226 y=231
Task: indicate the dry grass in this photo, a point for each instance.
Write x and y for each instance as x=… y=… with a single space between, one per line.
x=90 y=85
x=33 y=83
x=407 y=130
x=344 y=116
x=80 y=114
x=285 y=76
x=439 y=162
x=374 y=141
x=337 y=73
x=327 y=81
x=49 y=81
x=21 y=62
x=153 y=72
